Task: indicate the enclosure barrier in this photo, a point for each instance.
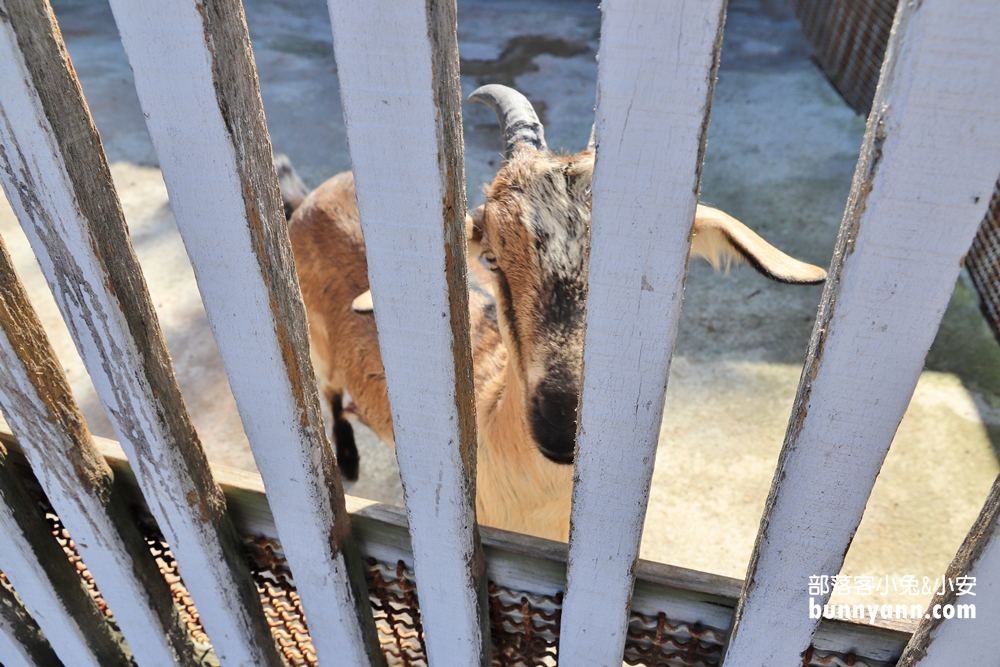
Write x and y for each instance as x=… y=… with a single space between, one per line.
x=677 y=616
x=930 y=158
x=849 y=38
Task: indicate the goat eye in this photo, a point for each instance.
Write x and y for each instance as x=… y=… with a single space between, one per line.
x=491 y=261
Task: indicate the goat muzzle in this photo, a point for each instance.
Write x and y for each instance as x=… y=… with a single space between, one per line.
x=554 y=415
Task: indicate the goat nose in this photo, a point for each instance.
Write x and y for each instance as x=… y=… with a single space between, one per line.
x=553 y=420
x=559 y=409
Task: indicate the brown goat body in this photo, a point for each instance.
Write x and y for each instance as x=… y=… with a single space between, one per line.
x=529 y=246
x=517 y=487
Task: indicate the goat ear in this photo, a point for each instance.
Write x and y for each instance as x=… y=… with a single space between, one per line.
x=363 y=303
x=721 y=238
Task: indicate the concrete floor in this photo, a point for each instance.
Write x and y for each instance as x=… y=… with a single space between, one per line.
x=781 y=152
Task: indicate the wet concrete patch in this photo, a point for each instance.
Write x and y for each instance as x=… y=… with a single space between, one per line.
x=518 y=57
x=305 y=47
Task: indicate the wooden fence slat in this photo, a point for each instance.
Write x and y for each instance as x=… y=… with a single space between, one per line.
x=22 y=643
x=196 y=79
x=57 y=180
x=398 y=67
x=38 y=403
x=656 y=74
x=939 y=642
x=521 y=562
x=928 y=166
x=49 y=584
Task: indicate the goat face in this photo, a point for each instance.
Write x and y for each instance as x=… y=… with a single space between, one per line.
x=534 y=233
x=535 y=238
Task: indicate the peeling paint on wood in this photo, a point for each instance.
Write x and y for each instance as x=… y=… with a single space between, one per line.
x=58 y=182
x=656 y=74
x=22 y=643
x=942 y=643
x=402 y=108
x=521 y=562
x=49 y=584
x=928 y=166
x=37 y=402
x=197 y=84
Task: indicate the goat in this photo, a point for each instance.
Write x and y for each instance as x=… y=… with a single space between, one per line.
x=526 y=314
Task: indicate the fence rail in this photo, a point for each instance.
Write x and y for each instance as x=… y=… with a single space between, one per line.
x=402 y=109
x=35 y=395
x=525 y=566
x=930 y=158
x=197 y=85
x=57 y=180
x=651 y=127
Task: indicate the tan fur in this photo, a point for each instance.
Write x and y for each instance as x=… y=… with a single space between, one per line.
x=332 y=268
x=517 y=487
x=724 y=240
x=537 y=212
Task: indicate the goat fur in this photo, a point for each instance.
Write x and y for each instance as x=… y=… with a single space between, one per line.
x=526 y=315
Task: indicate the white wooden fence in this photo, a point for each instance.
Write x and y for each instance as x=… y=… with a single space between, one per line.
x=929 y=163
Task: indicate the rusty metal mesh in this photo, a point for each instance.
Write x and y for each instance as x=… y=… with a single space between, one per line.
x=69 y=547
x=850 y=38
x=524 y=626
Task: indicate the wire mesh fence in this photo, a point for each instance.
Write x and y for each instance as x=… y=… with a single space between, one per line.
x=849 y=38
x=524 y=626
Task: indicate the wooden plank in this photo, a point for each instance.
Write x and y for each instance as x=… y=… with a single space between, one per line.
x=22 y=643
x=37 y=401
x=195 y=75
x=398 y=68
x=928 y=166
x=656 y=73
x=940 y=642
x=58 y=182
x=49 y=584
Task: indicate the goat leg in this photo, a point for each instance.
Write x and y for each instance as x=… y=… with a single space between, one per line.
x=348 y=458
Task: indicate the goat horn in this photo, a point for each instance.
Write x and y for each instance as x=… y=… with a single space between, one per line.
x=592 y=143
x=516 y=115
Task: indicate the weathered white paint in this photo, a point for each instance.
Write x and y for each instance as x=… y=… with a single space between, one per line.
x=939 y=642
x=106 y=307
x=234 y=229
x=655 y=77
x=928 y=168
x=36 y=400
x=22 y=643
x=401 y=104
x=37 y=567
x=28 y=576
x=964 y=641
x=521 y=562
x=12 y=653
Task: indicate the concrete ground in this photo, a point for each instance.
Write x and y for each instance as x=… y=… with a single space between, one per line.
x=781 y=152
